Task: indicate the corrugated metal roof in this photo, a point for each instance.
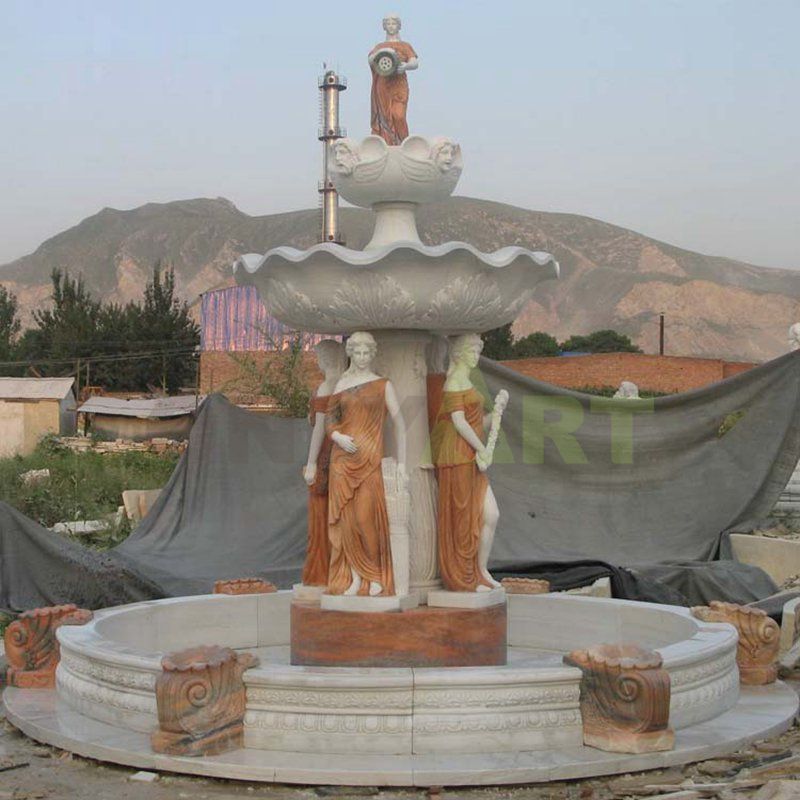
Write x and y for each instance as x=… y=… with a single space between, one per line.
x=142 y=407
x=35 y=388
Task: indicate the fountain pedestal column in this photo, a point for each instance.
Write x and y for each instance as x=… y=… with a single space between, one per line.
x=402 y=359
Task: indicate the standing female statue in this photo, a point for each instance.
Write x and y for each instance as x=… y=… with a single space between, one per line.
x=358 y=524
x=390 y=92
x=331 y=360
x=467 y=515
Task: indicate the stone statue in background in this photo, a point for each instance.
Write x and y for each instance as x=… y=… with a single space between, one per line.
x=358 y=524
x=332 y=361
x=628 y=390
x=389 y=61
x=794 y=336
x=467 y=511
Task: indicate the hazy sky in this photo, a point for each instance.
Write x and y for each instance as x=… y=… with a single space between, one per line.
x=676 y=118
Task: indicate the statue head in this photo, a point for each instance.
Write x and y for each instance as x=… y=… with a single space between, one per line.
x=330 y=356
x=345 y=157
x=392 y=24
x=443 y=154
x=794 y=336
x=628 y=390
x=465 y=349
x=361 y=348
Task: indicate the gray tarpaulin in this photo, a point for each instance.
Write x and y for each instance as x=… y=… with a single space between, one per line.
x=672 y=479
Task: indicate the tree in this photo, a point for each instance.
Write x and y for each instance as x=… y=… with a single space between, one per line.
x=605 y=341
x=536 y=344
x=155 y=339
x=498 y=343
x=67 y=331
x=133 y=347
x=9 y=325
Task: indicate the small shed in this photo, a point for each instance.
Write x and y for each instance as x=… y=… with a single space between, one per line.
x=140 y=419
x=31 y=408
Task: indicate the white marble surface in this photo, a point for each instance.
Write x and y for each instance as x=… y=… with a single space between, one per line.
x=420 y=170
x=760 y=712
x=530 y=703
x=354 y=602
x=444 y=599
x=449 y=288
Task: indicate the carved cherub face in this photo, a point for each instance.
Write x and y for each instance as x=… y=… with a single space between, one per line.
x=345 y=157
x=392 y=24
x=443 y=155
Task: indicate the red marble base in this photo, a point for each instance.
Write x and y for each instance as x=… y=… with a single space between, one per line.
x=420 y=637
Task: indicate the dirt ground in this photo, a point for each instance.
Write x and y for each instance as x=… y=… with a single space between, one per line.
x=768 y=770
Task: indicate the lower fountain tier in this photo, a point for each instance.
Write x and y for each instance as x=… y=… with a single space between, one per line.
x=421 y=637
x=109 y=667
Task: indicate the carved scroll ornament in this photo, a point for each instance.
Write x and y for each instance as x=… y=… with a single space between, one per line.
x=759 y=639
x=32 y=649
x=625 y=696
x=200 y=696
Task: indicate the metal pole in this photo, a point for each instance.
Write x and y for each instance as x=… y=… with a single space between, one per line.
x=330 y=85
x=661 y=334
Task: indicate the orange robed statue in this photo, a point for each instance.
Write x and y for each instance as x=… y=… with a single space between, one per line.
x=390 y=85
x=467 y=509
x=358 y=522
x=332 y=361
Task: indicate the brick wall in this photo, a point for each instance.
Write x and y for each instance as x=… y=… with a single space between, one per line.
x=236 y=374
x=648 y=372
x=223 y=372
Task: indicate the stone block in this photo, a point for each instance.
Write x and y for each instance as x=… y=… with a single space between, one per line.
x=441 y=598
x=625 y=698
x=201 y=699
x=759 y=639
x=244 y=586
x=31 y=645
x=365 y=604
x=525 y=586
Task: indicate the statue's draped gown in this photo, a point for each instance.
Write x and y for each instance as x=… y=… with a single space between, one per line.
x=318 y=553
x=358 y=524
x=462 y=491
x=390 y=98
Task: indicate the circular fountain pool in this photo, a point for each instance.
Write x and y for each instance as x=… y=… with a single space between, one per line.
x=417 y=726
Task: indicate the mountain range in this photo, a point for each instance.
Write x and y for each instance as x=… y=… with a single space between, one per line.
x=611 y=277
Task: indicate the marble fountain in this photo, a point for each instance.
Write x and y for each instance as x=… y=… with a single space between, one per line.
x=421 y=674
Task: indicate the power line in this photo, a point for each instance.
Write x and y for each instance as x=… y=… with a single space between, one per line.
x=97 y=359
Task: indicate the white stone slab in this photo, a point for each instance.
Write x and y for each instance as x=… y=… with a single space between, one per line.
x=790 y=625
x=307 y=594
x=443 y=599
x=761 y=712
x=352 y=602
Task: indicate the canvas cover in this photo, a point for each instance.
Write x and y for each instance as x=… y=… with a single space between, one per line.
x=640 y=490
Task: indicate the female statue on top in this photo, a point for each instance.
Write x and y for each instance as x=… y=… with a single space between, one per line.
x=390 y=84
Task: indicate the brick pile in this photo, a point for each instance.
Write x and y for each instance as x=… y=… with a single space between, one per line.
x=83 y=444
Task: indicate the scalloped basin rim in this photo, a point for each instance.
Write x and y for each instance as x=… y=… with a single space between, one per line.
x=358 y=258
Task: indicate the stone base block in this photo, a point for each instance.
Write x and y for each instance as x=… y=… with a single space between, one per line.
x=421 y=637
x=211 y=744
x=307 y=594
x=31 y=679
x=628 y=742
x=758 y=675
x=444 y=599
x=354 y=603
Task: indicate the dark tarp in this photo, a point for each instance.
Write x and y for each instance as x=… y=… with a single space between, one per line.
x=693 y=466
x=41 y=568
x=235 y=505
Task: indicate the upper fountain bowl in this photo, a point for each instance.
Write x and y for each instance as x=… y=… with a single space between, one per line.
x=419 y=170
